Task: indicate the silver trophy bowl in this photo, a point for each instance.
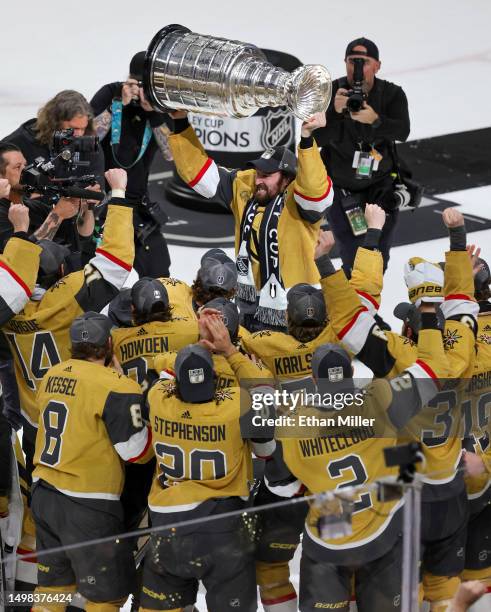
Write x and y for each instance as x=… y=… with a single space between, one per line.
x=215 y=76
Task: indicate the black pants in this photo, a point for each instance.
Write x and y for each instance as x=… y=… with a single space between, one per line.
x=10 y=393
x=103 y=571
x=29 y=446
x=221 y=560
x=444 y=534
x=348 y=243
x=377 y=584
x=152 y=256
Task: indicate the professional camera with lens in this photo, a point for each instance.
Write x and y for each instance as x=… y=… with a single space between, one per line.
x=356 y=96
x=64 y=140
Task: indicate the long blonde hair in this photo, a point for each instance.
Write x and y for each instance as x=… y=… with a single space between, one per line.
x=63 y=107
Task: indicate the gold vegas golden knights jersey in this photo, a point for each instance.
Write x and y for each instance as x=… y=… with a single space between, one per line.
x=180 y=297
x=39 y=334
x=199 y=448
x=225 y=373
x=351 y=454
x=477 y=415
x=19 y=265
x=135 y=347
x=289 y=359
x=438 y=425
x=89 y=423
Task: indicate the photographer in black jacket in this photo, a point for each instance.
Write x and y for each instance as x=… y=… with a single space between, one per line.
x=131 y=132
x=68 y=110
x=366 y=115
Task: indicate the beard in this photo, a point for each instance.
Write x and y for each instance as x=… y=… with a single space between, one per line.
x=262 y=194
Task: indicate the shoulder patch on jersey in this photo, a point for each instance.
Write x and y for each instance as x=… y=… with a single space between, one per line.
x=409 y=341
x=263 y=332
x=168 y=387
x=222 y=395
x=450 y=338
x=142 y=332
x=486 y=338
x=58 y=284
x=487 y=328
x=171 y=281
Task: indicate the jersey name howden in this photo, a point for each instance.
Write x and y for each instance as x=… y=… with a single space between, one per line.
x=336 y=442
x=187 y=431
x=61 y=384
x=24 y=327
x=144 y=346
x=293 y=364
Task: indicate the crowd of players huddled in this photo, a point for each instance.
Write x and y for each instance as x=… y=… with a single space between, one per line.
x=147 y=401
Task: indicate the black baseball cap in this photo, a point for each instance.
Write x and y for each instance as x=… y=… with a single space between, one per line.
x=91 y=328
x=229 y=312
x=370 y=46
x=306 y=305
x=409 y=314
x=274 y=160
x=52 y=256
x=136 y=65
x=119 y=310
x=149 y=295
x=332 y=369
x=215 y=274
x=331 y=363
x=217 y=254
x=194 y=374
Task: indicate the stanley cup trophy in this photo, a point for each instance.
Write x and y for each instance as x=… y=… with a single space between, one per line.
x=216 y=76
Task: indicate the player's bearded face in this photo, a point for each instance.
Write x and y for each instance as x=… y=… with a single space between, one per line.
x=268 y=186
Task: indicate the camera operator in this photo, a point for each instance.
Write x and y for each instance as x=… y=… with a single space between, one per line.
x=41 y=138
x=130 y=132
x=366 y=115
x=46 y=221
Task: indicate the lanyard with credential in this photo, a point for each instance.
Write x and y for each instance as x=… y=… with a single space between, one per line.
x=117 y=115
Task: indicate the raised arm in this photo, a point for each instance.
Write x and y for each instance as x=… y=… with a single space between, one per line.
x=312 y=188
x=459 y=306
x=19 y=265
x=194 y=166
x=106 y=273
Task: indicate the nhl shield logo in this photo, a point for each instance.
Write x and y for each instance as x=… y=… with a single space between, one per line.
x=220 y=279
x=278 y=128
x=242 y=265
x=310 y=312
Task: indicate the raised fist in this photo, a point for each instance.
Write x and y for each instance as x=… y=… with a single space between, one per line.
x=19 y=217
x=374 y=216
x=117 y=178
x=452 y=217
x=325 y=242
